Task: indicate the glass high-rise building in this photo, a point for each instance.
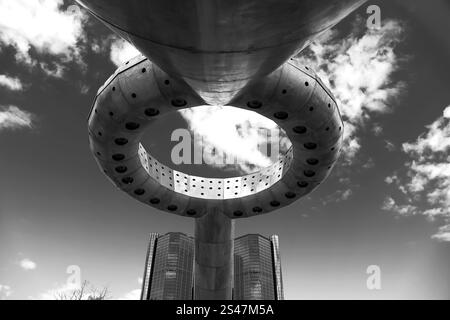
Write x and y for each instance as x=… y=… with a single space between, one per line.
x=257 y=268
x=169 y=267
x=169 y=273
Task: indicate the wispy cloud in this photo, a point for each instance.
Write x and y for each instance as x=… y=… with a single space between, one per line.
x=5 y=292
x=359 y=71
x=424 y=182
x=59 y=291
x=43 y=26
x=14 y=118
x=132 y=295
x=443 y=234
x=13 y=84
x=121 y=51
x=27 y=264
x=237 y=134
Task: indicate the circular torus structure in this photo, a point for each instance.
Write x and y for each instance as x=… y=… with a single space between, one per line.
x=139 y=93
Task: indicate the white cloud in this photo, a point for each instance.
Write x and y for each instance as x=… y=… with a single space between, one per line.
x=390 y=146
x=235 y=133
x=359 y=71
x=425 y=182
x=43 y=26
x=27 y=264
x=435 y=140
x=59 y=291
x=13 y=118
x=132 y=295
x=5 y=292
x=13 y=84
x=404 y=210
x=443 y=234
x=122 y=51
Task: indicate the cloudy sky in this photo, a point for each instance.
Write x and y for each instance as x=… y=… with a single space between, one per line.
x=387 y=203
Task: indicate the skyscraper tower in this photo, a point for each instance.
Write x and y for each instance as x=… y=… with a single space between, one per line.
x=169 y=268
x=224 y=52
x=257 y=268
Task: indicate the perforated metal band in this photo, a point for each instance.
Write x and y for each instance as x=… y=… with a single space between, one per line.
x=139 y=93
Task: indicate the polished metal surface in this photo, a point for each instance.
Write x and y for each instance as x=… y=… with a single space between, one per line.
x=147 y=278
x=218 y=46
x=214 y=263
x=279 y=291
x=217 y=52
x=140 y=93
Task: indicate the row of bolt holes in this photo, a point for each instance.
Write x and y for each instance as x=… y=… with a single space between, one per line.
x=180 y=103
x=238 y=213
x=300 y=130
x=252 y=104
x=150 y=112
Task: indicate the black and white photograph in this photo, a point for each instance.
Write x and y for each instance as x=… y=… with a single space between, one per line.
x=237 y=153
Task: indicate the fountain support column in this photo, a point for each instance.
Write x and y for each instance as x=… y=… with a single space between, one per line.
x=214 y=259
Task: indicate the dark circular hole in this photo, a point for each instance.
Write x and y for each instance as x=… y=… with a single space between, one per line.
x=167 y=82
x=111 y=114
x=118 y=157
x=238 y=213
x=332 y=149
x=179 y=102
x=172 y=207
x=290 y=195
x=95 y=111
x=307 y=84
x=121 y=141
x=257 y=209
x=310 y=146
x=150 y=112
x=309 y=173
x=306 y=68
x=281 y=115
x=300 y=130
x=139 y=192
x=329 y=105
x=144 y=70
x=134 y=95
x=284 y=91
x=132 y=126
x=100 y=134
x=311 y=109
x=99 y=154
x=121 y=169
x=254 y=104
x=327 y=129
x=275 y=203
x=114 y=89
x=312 y=162
x=191 y=212
x=128 y=180
x=303 y=184
x=155 y=201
